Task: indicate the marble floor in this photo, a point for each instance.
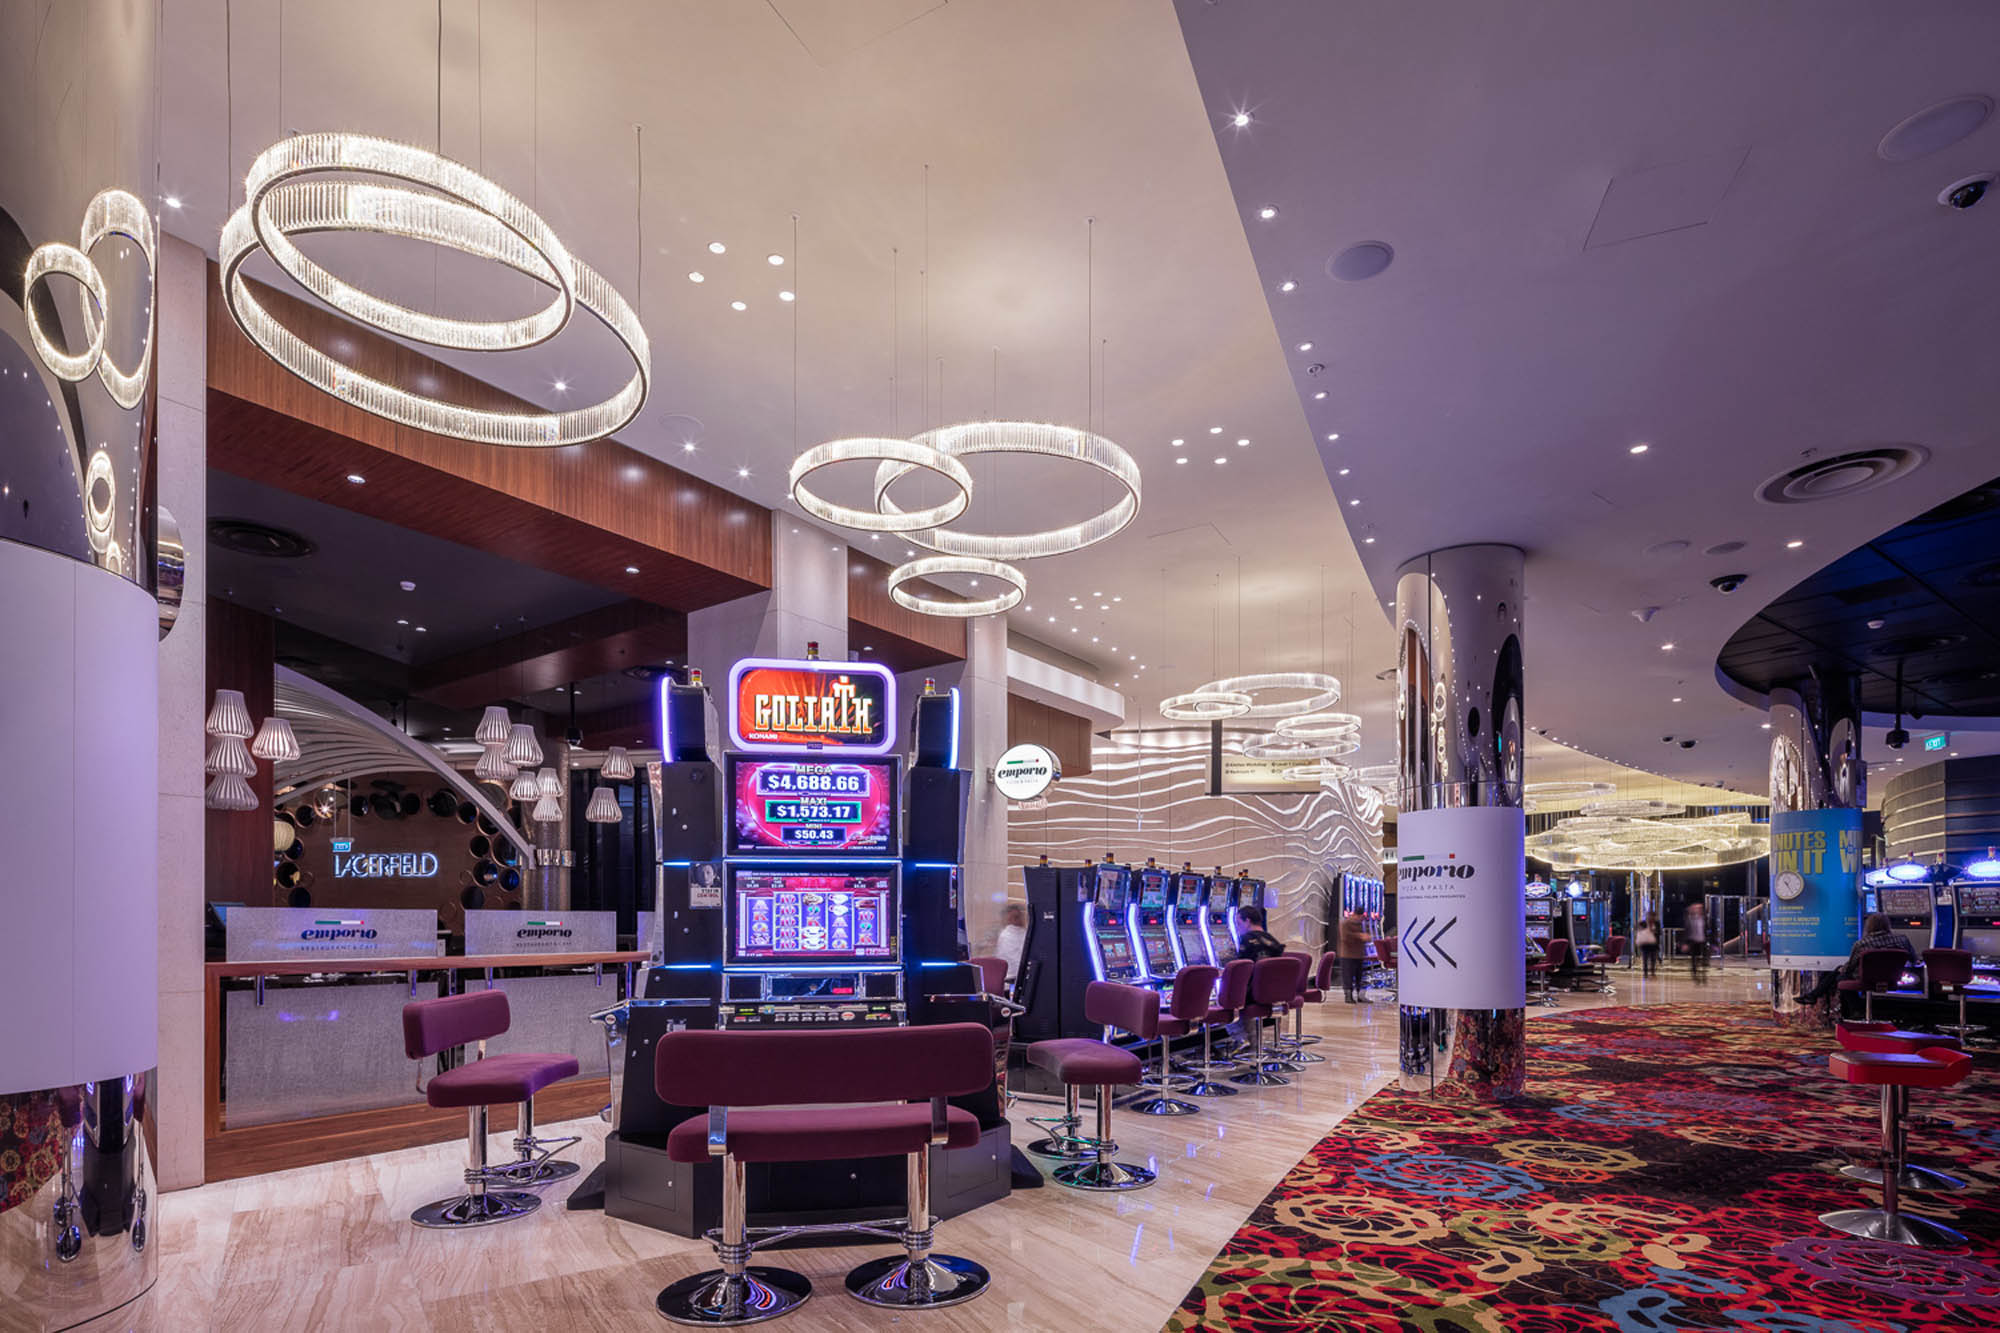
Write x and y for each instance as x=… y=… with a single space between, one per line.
x=331 y=1247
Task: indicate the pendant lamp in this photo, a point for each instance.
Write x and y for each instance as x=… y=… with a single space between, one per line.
x=275 y=741
x=523 y=750
x=525 y=788
x=547 y=811
x=494 y=726
x=603 y=807
x=229 y=756
x=229 y=717
x=617 y=764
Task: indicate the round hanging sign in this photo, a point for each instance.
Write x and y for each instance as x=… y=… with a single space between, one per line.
x=1025 y=772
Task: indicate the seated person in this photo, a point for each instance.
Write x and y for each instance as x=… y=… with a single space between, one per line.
x=1257 y=943
x=1875 y=934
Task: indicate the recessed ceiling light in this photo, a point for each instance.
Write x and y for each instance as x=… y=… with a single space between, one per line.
x=1052 y=620
x=401 y=621
x=1320 y=396
x=1344 y=471
x=743 y=472
x=716 y=247
x=1240 y=119
x=774 y=260
x=1177 y=443
x=421 y=630
x=1267 y=212
x=1220 y=461
x=1097 y=594
x=687 y=446
x=738 y=305
x=1367 y=541
x=1639 y=448
x=975 y=583
x=1305 y=346
x=1072 y=629
x=355 y=479
x=1352 y=503
x=1666 y=647
x=1765 y=725
x=1243 y=444
x=1181 y=459
x=697 y=276
x=1877 y=624
x=1118 y=599
x=1331 y=438
x=631 y=569
x=1104 y=606
x=1215 y=430
x=1677 y=698
x=787 y=296
x=173 y=201
x=1288 y=286
x=562 y=386
x=1093 y=638
x=1794 y=544
x=408 y=586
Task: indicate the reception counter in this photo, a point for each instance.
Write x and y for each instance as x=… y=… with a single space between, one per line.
x=305 y=1056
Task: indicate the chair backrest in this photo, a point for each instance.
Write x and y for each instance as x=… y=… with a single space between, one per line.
x=1881 y=968
x=992 y=975
x=1555 y=953
x=430 y=1026
x=1194 y=986
x=722 y=1068
x=1277 y=980
x=1235 y=989
x=1614 y=949
x=1133 y=1009
x=1329 y=962
x=1306 y=961
x=1948 y=967
x=1386 y=946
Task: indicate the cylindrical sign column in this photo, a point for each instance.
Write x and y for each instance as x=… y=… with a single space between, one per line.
x=1819 y=787
x=1460 y=870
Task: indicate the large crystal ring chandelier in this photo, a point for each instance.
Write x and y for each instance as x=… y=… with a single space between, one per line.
x=1204 y=706
x=930 y=566
x=1271 y=745
x=1629 y=808
x=1322 y=726
x=442 y=202
x=109 y=213
x=1323 y=692
x=1607 y=842
x=907 y=452
x=1031 y=438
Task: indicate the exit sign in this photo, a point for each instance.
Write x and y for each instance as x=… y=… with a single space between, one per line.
x=1937 y=742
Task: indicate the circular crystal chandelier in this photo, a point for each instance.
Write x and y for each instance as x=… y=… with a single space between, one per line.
x=1324 y=726
x=906 y=452
x=1204 y=706
x=1536 y=794
x=1272 y=745
x=1609 y=842
x=1325 y=692
x=109 y=213
x=435 y=200
x=1028 y=438
x=929 y=566
x=1629 y=808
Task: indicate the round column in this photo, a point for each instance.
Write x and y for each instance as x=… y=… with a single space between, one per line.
x=1816 y=765
x=1459 y=743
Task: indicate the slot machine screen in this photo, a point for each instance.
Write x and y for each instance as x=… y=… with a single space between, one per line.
x=780 y=917
x=1114 y=887
x=1979 y=900
x=1906 y=902
x=1189 y=893
x=1152 y=888
x=843 y=807
x=1117 y=952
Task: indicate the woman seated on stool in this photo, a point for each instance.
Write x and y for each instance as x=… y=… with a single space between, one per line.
x=1875 y=935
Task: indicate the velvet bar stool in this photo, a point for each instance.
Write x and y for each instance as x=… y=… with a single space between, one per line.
x=799 y=1096
x=1292 y=1048
x=1880 y=970
x=1230 y=996
x=1186 y=1009
x=1951 y=969
x=430 y=1026
x=1084 y=1061
x=1885 y=1038
x=1272 y=985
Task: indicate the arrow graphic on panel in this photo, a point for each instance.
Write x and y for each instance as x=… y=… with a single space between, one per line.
x=1437 y=941
x=1414 y=941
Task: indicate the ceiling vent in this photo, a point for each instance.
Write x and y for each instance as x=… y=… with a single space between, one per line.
x=1725 y=548
x=1915 y=645
x=1839 y=475
x=245 y=537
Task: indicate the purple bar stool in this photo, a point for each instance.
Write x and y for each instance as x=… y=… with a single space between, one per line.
x=1084 y=1061
x=430 y=1026
x=1230 y=997
x=778 y=1075
x=1185 y=1010
x=1272 y=986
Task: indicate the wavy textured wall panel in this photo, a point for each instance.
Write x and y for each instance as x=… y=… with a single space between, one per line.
x=1148 y=796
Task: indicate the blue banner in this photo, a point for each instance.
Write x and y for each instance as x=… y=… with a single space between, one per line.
x=1815 y=887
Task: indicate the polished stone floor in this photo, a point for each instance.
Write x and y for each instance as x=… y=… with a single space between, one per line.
x=331 y=1247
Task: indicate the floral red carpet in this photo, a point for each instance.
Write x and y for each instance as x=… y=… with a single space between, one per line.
x=1665 y=1172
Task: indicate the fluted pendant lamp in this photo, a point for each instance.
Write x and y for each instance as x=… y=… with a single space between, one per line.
x=603 y=807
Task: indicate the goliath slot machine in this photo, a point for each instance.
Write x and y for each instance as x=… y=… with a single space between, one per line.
x=789 y=900
x=1149 y=923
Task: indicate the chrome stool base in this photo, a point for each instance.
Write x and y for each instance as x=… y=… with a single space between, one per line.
x=1064 y=1150
x=716 y=1300
x=476 y=1210
x=942 y=1279
x=1208 y=1089
x=1261 y=1078
x=1293 y=1057
x=1912 y=1178
x=1103 y=1175
x=1164 y=1106
x=535 y=1173
x=1900 y=1228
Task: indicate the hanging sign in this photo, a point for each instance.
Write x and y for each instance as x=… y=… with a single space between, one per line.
x=776 y=704
x=1460 y=881
x=1815 y=887
x=1025 y=771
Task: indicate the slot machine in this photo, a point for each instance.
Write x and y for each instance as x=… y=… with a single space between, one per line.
x=1908 y=907
x=1150 y=925
x=1977 y=896
x=1540 y=903
x=1249 y=893
x=1217 y=908
x=1190 y=910
x=1057 y=959
x=1107 y=931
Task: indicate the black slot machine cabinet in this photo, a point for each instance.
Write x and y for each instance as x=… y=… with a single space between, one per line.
x=808 y=925
x=1190 y=899
x=1218 y=914
x=1908 y=907
x=1150 y=926
x=1540 y=904
x=1074 y=914
x=1978 y=920
x=1249 y=893
x=1107 y=931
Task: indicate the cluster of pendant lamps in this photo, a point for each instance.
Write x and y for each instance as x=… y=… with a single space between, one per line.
x=233 y=755
x=510 y=753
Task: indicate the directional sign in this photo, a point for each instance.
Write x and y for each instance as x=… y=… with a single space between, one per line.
x=1459 y=892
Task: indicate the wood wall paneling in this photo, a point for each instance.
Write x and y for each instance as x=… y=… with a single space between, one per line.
x=1066 y=734
x=241 y=644
x=596 y=643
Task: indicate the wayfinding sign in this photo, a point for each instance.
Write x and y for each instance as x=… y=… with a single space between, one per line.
x=1460 y=876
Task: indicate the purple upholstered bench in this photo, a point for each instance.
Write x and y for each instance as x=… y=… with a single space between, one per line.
x=774 y=1074
x=430 y=1026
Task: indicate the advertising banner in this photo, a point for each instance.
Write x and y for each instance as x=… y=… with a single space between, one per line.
x=1460 y=874
x=1815 y=887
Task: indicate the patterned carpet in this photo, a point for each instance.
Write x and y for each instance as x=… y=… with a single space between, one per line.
x=1666 y=1172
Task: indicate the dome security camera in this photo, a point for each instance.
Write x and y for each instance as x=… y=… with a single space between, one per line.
x=1896 y=739
x=1966 y=193
x=1728 y=583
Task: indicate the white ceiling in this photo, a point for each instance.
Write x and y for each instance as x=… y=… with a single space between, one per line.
x=1032 y=119
x=1801 y=294
x=1486 y=388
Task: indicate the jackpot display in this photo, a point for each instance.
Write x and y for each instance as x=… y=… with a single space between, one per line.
x=784 y=705
x=844 y=807
x=782 y=916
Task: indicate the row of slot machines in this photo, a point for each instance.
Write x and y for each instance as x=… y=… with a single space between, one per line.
x=1961 y=915
x=1113 y=922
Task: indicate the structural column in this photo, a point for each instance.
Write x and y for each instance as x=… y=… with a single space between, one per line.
x=981 y=681
x=1816 y=765
x=807 y=603
x=1459 y=744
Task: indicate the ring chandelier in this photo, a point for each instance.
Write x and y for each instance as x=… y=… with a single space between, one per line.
x=442 y=202
x=1327 y=726
x=109 y=213
x=1273 y=745
x=888 y=452
x=1323 y=771
x=1617 y=843
x=1630 y=808
x=927 y=566
x=1326 y=693
x=1204 y=706
x=1536 y=794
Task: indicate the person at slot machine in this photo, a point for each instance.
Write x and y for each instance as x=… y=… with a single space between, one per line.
x=1876 y=933
x=1353 y=944
x=1013 y=937
x=1257 y=943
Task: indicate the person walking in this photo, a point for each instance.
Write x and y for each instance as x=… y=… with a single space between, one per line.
x=1353 y=946
x=1694 y=926
x=1647 y=939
